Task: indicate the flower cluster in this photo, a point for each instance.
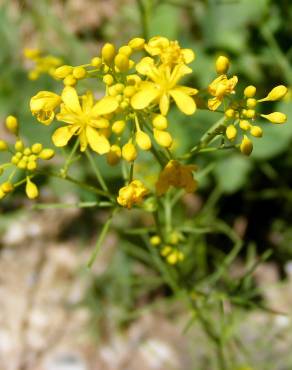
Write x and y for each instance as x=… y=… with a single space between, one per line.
x=170 y=250
x=24 y=159
x=42 y=64
x=132 y=115
x=241 y=113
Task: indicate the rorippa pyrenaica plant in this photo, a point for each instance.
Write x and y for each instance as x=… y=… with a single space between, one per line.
x=141 y=81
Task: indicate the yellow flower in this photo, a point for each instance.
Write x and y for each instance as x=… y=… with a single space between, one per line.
x=177 y=175
x=170 y=52
x=43 y=104
x=132 y=194
x=84 y=120
x=162 y=86
x=220 y=87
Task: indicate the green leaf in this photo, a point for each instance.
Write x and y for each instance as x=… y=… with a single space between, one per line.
x=165 y=21
x=231 y=173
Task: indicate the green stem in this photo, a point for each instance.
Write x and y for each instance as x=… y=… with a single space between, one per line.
x=96 y=171
x=145 y=14
x=79 y=183
x=101 y=237
x=71 y=205
x=65 y=169
x=213 y=132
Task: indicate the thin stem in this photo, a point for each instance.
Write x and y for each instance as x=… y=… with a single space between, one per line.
x=96 y=171
x=101 y=237
x=91 y=188
x=71 y=205
x=65 y=169
x=213 y=132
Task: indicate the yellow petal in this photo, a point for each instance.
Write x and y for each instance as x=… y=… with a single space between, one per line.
x=105 y=106
x=188 y=55
x=83 y=140
x=183 y=101
x=97 y=142
x=164 y=104
x=87 y=102
x=63 y=134
x=144 y=97
x=70 y=99
x=214 y=103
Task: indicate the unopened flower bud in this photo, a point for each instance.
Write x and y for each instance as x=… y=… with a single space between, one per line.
x=276 y=93
x=47 y=154
x=222 y=65
x=229 y=113
x=12 y=124
x=163 y=138
x=143 y=140
x=250 y=91
x=7 y=187
x=118 y=127
x=256 y=131
x=246 y=146
x=155 y=240
x=122 y=62
x=62 y=72
x=275 y=117
x=114 y=155
x=251 y=102
x=96 y=62
x=244 y=125
x=36 y=148
x=108 y=53
x=249 y=113
x=79 y=72
x=19 y=146
x=3 y=146
x=108 y=79
x=70 y=80
x=126 y=50
x=31 y=189
x=137 y=43
x=129 y=152
x=160 y=122
x=231 y=132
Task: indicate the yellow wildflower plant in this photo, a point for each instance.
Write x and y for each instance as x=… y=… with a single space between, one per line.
x=141 y=81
